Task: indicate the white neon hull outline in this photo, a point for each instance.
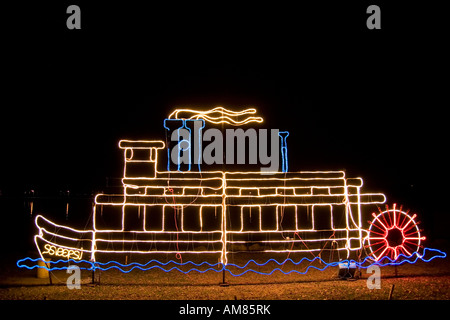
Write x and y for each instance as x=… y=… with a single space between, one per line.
x=337 y=195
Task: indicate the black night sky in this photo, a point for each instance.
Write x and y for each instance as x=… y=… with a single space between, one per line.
x=371 y=102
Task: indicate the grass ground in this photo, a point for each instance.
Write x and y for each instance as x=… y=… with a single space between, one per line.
x=421 y=281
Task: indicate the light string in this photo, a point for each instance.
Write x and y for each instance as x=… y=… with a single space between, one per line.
x=126 y=268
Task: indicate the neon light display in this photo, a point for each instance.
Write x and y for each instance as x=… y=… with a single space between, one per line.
x=218 y=267
x=180 y=213
x=393 y=232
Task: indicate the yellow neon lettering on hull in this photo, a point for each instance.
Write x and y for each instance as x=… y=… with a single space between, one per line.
x=62 y=252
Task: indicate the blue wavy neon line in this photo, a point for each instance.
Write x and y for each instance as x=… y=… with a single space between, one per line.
x=380 y=263
x=212 y=267
x=134 y=265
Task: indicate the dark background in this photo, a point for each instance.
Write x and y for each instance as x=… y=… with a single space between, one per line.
x=371 y=102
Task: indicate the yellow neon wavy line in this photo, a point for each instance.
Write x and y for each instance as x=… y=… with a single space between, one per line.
x=218 y=115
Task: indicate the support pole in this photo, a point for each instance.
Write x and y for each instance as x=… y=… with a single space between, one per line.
x=391 y=292
x=223 y=257
x=50 y=278
x=223 y=283
x=95 y=275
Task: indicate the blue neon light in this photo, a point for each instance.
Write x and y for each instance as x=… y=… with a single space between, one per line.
x=218 y=267
x=168 y=145
x=184 y=126
x=184 y=150
x=199 y=160
x=284 y=158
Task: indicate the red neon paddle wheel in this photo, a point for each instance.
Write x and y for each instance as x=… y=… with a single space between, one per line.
x=393 y=232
